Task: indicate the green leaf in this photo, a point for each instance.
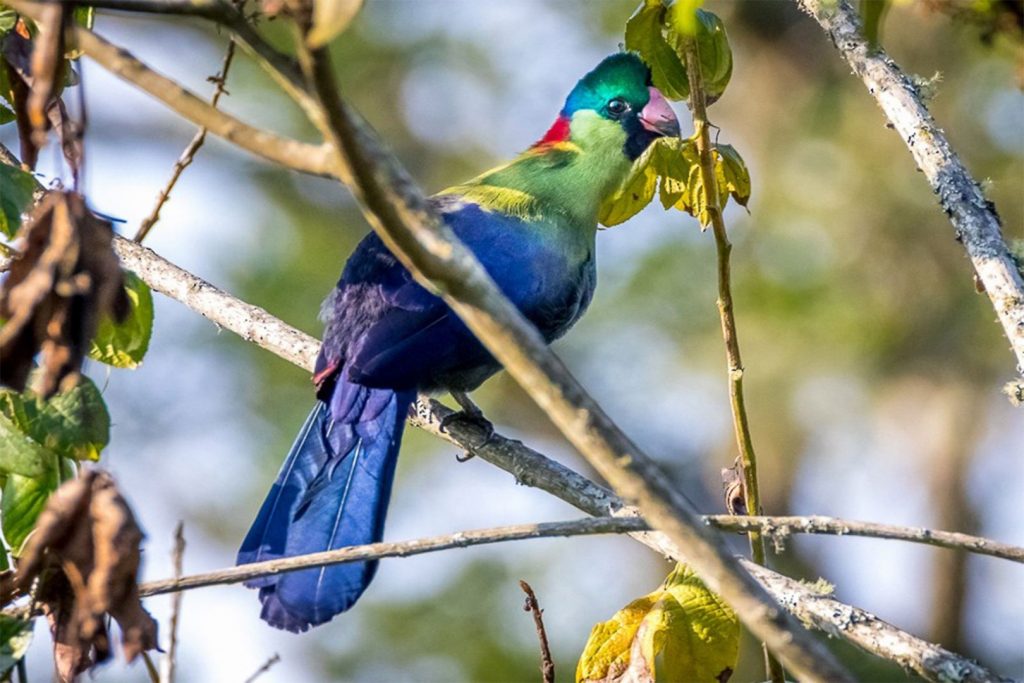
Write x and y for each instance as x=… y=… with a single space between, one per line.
x=331 y=17
x=73 y=424
x=6 y=115
x=8 y=18
x=123 y=345
x=15 y=637
x=84 y=16
x=645 y=35
x=19 y=453
x=713 y=47
x=693 y=630
x=16 y=189
x=23 y=499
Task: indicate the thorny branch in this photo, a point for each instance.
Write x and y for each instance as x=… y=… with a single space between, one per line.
x=973 y=217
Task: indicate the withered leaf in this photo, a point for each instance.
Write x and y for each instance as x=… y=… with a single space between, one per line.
x=66 y=277
x=35 y=72
x=734 y=489
x=85 y=551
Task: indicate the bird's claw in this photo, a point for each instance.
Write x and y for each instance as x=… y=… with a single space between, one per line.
x=472 y=417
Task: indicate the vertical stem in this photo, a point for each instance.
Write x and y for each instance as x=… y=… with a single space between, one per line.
x=748 y=460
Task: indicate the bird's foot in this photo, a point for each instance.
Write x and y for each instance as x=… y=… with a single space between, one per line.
x=470 y=415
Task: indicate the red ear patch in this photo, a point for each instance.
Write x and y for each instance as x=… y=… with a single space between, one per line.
x=558 y=132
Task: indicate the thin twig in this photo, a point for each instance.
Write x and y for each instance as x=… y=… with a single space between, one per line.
x=267 y=665
x=299 y=156
x=169 y=661
x=973 y=217
x=624 y=521
x=783 y=527
x=399 y=213
x=547 y=663
x=529 y=467
x=185 y=160
x=151 y=671
x=723 y=248
x=373 y=551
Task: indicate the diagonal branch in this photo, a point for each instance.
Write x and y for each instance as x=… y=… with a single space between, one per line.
x=973 y=217
x=299 y=156
x=531 y=468
x=401 y=216
x=189 y=153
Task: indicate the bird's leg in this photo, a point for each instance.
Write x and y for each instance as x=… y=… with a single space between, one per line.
x=472 y=414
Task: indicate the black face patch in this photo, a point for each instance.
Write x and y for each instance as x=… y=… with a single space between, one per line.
x=638 y=138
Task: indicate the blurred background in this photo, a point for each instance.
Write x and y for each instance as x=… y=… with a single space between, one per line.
x=873 y=367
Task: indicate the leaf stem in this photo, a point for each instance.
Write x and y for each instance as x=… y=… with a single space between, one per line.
x=748 y=458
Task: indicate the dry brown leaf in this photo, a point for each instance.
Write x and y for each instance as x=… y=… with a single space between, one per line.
x=37 y=71
x=734 y=489
x=85 y=548
x=66 y=277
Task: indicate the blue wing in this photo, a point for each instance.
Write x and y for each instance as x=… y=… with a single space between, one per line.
x=388 y=331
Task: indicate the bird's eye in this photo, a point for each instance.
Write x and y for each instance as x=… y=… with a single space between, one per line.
x=617 y=107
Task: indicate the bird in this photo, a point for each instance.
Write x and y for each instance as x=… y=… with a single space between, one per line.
x=532 y=224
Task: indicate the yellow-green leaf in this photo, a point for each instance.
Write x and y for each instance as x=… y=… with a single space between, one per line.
x=694 y=631
x=607 y=652
x=734 y=177
x=331 y=17
x=645 y=35
x=636 y=191
x=124 y=344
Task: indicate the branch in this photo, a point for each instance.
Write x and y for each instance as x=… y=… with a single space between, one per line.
x=973 y=217
x=723 y=249
x=375 y=551
x=185 y=160
x=252 y=323
x=528 y=466
x=625 y=520
x=932 y=662
x=401 y=216
x=299 y=156
x=547 y=663
x=782 y=527
x=168 y=663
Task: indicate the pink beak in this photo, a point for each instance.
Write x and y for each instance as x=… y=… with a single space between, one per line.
x=658 y=116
